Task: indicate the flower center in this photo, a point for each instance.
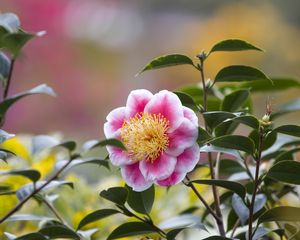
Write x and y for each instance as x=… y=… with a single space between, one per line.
x=144 y=136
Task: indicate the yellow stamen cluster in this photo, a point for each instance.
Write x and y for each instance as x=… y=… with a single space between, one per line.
x=145 y=136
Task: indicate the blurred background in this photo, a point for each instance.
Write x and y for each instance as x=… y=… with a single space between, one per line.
x=93 y=49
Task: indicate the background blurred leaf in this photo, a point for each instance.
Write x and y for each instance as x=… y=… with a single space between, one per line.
x=187 y=101
x=4 y=66
x=235 y=100
x=291 y=106
x=292 y=130
x=283 y=213
x=10 y=22
x=285 y=171
x=31 y=174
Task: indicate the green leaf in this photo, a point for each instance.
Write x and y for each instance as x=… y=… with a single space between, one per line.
x=292 y=130
x=5 y=136
x=167 y=61
x=240 y=73
x=230 y=45
x=32 y=236
x=116 y=195
x=270 y=140
x=41 y=89
x=236 y=142
x=235 y=187
x=286 y=155
x=69 y=145
x=235 y=100
x=216 y=238
x=187 y=101
x=211 y=148
x=141 y=202
x=78 y=162
x=4 y=66
x=229 y=166
x=214 y=118
x=279 y=84
x=110 y=142
x=131 y=229
x=27 y=217
x=27 y=189
x=242 y=210
x=229 y=125
x=10 y=22
x=203 y=136
x=284 y=213
x=59 y=231
x=285 y=171
x=31 y=174
x=291 y=106
x=261 y=232
x=96 y=216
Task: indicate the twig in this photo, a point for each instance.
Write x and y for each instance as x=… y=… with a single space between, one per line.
x=54 y=211
x=35 y=191
x=209 y=209
x=210 y=161
x=5 y=93
x=236 y=224
x=256 y=185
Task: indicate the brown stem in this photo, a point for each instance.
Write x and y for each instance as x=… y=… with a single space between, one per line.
x=209 y=209
x=256 y=185
x=35 y=191
x=210 y=160
x=5 y=93
x=54 y=211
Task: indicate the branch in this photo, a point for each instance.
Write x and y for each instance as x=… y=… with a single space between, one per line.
x=35 y=191
x=5 y=93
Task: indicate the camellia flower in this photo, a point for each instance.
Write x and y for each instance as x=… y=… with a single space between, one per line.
x=160 y=136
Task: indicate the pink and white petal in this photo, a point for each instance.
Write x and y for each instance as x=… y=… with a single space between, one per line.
x=115 y=120
x=188 y=160
x=137 y=101
x=118 y=157
x=183 y=137
x=169 y=105
x=191 y=115
x=134 y=178
x=159 y=169
x=172 y=180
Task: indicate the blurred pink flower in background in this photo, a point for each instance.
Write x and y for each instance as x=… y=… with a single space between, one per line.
x=160 y=136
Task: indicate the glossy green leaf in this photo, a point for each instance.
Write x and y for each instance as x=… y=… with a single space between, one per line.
x=235 y=100
x=4 y=66
x=187 y=100
x=291 y=106
x=279 y=84
x=283 y=213
x=10 y=22
x=109 y=142
x=286 y=155
x=230 y=45
x=59 y=231
x=96 y=216
x=235 y=187
x=31 y=174
x=292 y=130
x=116 y=195
x=240 y=73
x=211 y=148
x=78 y=162
x=141 y=202
x=203 y=136
x=167 y=61
x=229 y=166
x=41 y=89
x=69 y=145
x=236 y=142
x=5 y=136
x=285 y=171
x=27 y=189
x=216 y=238
x=229 y=125
x=270 y=140
x=131 y=229
x=32 y=236
x=27 y=217
x=214 y=118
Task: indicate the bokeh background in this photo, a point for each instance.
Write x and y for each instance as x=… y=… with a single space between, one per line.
x=94 y=48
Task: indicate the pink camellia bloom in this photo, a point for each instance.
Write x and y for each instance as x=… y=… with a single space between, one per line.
x=160 y=136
